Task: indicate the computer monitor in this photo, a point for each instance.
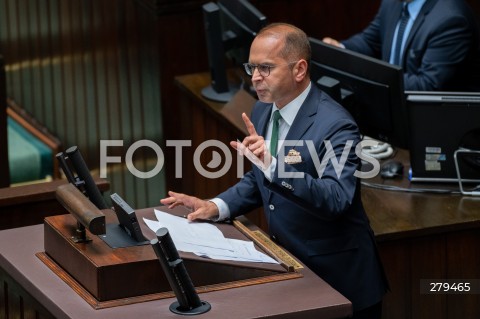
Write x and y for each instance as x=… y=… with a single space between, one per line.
x=230 y=27
x=371 y=89
x=440 y=124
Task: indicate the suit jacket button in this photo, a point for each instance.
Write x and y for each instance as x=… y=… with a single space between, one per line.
x=271 y=207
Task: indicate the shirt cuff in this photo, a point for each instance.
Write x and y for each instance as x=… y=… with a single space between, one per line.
x=223 y=210
x=270 y=170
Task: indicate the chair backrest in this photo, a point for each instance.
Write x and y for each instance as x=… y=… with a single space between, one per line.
x=26 y=129
x=38 y=135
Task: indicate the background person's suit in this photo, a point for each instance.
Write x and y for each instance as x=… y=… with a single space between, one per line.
x=442 y=48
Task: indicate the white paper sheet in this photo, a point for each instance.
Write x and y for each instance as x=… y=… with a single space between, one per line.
x=205 y=239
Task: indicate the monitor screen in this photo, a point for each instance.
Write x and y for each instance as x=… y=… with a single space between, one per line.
x=371 y=89
x=230 y=27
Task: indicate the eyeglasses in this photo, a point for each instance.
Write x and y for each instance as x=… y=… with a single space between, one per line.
x=263 y=69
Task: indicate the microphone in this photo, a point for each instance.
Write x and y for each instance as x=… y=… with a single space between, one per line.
x=188 y=302
x=83 y=173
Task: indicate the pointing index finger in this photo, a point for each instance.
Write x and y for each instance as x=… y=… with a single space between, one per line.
x=250 y=128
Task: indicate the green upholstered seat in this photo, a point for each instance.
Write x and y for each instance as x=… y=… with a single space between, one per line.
x=29 y=158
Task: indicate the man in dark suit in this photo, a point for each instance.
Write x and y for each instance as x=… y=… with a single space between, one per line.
x=439 y=50
x=308 y=190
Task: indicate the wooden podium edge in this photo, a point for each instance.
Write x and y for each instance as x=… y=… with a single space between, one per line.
x=286 y=260
x=96 y=304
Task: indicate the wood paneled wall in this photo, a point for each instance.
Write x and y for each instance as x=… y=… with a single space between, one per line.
x=89 y=71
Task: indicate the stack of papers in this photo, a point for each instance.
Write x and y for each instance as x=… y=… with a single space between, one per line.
x=206 y=240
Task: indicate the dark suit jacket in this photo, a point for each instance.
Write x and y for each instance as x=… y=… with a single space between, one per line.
x=320 y=220
x=442 y=49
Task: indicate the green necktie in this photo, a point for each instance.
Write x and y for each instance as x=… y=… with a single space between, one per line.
x=274 y=138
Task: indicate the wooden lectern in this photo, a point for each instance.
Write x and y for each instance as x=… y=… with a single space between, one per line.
x=107 y=277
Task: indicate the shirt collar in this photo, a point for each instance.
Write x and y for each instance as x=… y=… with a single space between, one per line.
x=289 y=111
x=414 y=8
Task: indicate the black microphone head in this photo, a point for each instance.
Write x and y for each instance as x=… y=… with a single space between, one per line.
x=83 y=173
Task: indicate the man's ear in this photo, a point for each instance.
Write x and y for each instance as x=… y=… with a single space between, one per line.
x=300 y=70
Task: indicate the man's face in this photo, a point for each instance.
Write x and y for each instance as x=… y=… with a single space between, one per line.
x=279 y=85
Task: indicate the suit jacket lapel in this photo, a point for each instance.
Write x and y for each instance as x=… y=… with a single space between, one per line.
x=262 y=125
x=305 y=116
x=418 y=22
x=394 y=16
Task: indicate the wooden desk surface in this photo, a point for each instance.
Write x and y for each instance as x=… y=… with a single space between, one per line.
x=29 y=204
x=10 y=196
x=306 y=297
x=417 y=209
